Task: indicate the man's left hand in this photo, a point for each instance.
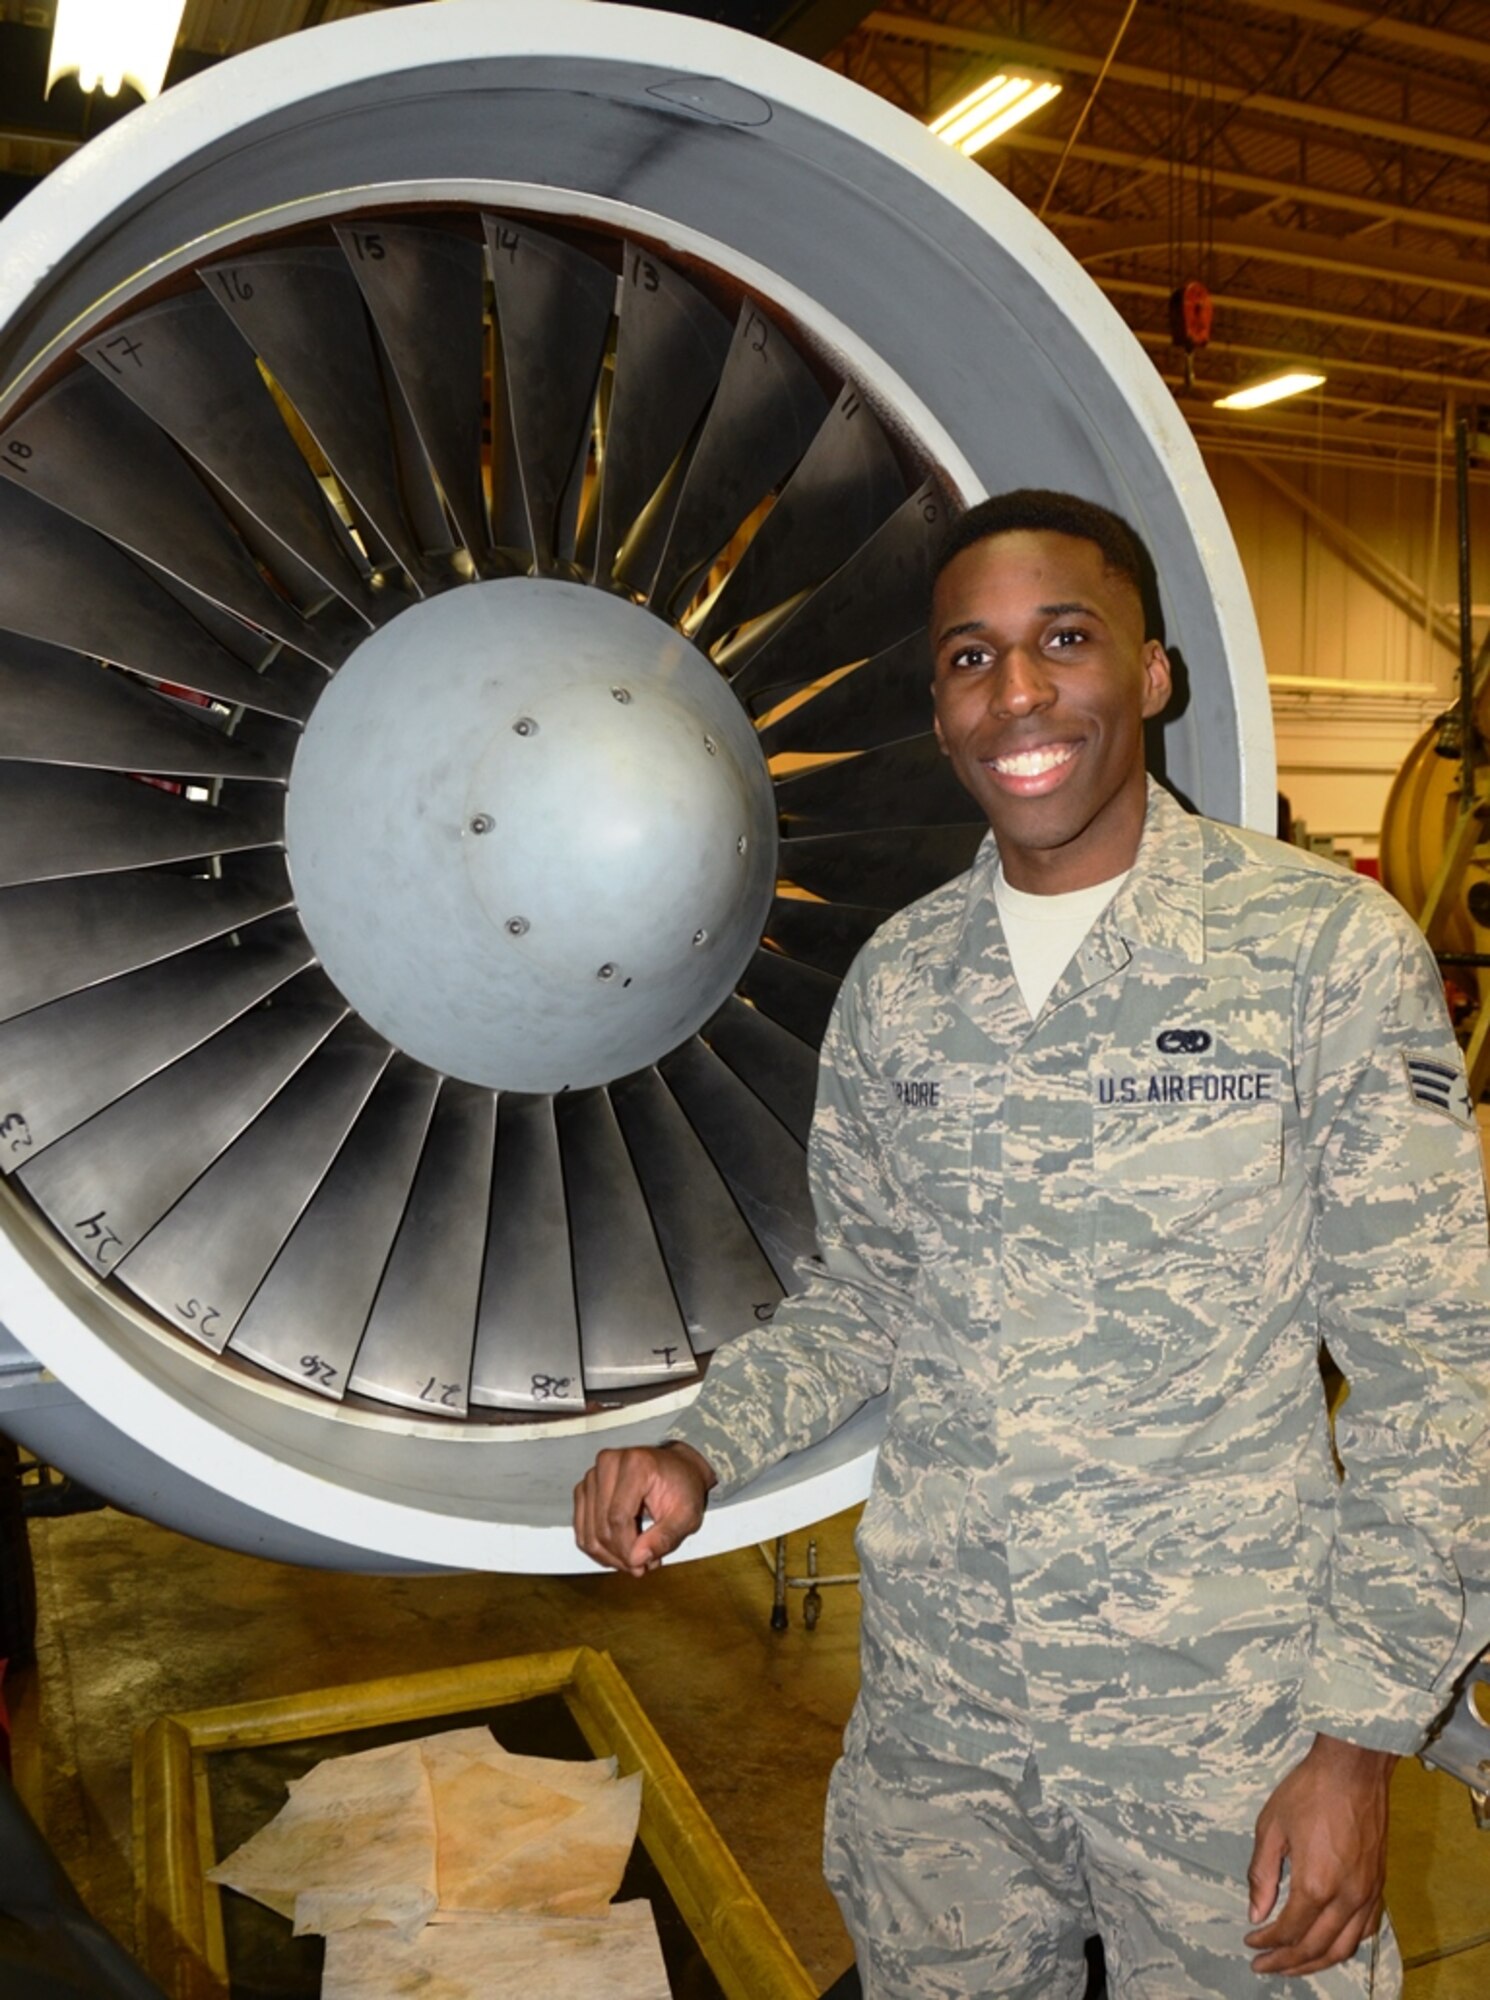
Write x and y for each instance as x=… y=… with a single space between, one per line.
x=1328 y=1820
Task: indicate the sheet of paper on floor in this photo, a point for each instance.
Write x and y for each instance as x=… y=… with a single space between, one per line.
x=615 y=1957
x=527 y=1833
x=576 y=1779
x=354 y=1844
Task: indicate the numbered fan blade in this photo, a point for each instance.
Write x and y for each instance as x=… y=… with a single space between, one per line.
x=63 y=583
x=58 y=709
x=128 y=1164
x=764 y=1167
x=527 y=1333
x=56 y=822
x=630 y=1330
x=827 y=935
x=423 y=288
x=416 y=1351
x=885 y=699
x=764 y=416
x=670 y=349
x=424 y=512
x=301 y=312
x=338 y=625
x=842 y=491
x=797 y=996
x=554 y=309
x=717 y=1270
x=187 y=369
x=305 y=1321
x=779 y=1067
x=910 y=780
x=201 y=1264
x=902 y=864
x=58 y=937
x=879 y=594
x=63 y=1062
x=92 y=453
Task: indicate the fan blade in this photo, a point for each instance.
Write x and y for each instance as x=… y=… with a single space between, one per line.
x=798 y=997
x=65 y=584
x=63 y=1062
x=247 y=645
x=879 y=595
x=910 y=780
x=416 y=1351
x=764 y=415
x=902 y=862
x=95 y=455
x=199 y=1265
x=885 y=699
x=59 y=937
x=527 y=1333
x=509 y=511
x=841 y=492
x=112 y=1179
x=630 y=1329
x=60 y=822
x=56 y=708
x=671 y=346
x=338 y=626
x=306 y=1319
x=423 y=510
x=712 y=1258
x=554 y=309
x=423 y=288
x=301 y=312
x=779 y=1068
x=186 y=368
x=763 y=1166
x=827 y=935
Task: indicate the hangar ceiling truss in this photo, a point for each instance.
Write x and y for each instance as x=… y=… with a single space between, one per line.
x=1324 y=168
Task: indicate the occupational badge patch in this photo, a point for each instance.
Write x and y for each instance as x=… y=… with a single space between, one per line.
x=1439 y=1085
x=1183 y=1041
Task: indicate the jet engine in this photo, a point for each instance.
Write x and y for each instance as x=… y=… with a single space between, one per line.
x=467 y=483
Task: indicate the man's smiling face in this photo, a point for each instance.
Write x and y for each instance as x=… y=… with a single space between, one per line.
x=1043 y=682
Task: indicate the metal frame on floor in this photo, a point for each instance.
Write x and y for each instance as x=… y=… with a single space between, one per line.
x=774 y=1557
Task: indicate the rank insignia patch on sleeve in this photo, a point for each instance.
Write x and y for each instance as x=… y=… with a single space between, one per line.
x=1439 y=1085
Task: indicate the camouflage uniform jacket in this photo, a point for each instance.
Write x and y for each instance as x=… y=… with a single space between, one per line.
x=1092 y=1256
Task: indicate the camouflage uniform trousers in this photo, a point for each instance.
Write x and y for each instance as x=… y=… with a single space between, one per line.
x=961 y=1884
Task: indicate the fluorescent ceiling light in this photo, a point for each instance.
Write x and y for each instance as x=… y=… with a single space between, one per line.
x=1272 y=389
x=986 y=113
x=106 y=43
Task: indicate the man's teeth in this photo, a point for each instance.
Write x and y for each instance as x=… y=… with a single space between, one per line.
x=1030 y=763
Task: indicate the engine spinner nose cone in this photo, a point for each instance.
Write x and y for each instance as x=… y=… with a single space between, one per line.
x=532 y=834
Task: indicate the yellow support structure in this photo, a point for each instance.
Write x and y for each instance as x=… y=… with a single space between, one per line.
x=1458 y=850
x=180 y=1911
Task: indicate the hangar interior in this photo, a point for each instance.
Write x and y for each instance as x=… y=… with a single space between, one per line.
x=1320 y=169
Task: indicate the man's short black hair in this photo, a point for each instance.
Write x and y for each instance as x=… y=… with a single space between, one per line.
x=1033 y=509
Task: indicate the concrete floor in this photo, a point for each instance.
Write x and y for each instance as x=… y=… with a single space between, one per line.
x=136 y=1621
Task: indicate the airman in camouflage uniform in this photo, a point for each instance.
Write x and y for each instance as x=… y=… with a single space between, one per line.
x=1117 y=1601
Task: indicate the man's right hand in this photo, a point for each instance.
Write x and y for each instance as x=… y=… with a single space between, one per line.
x=671 y=1483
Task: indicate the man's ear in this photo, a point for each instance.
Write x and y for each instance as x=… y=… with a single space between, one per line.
x=1158 y=679
x=936 y=725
